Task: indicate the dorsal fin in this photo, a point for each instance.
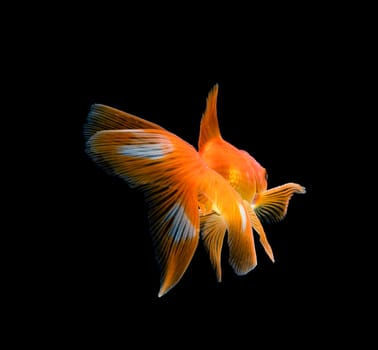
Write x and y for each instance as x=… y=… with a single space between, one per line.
x=209 y=128
x=102 y=117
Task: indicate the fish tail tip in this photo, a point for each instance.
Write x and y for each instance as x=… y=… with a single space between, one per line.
x=161 y=293
x=163 y=290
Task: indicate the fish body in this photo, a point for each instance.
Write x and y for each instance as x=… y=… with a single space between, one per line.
x=244 y=173
x=191 y=194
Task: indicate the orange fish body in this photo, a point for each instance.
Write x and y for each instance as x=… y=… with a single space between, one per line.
x=243 y=173
x=190 y=194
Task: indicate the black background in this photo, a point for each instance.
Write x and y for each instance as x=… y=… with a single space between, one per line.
x=266 y=109
x=282 y=92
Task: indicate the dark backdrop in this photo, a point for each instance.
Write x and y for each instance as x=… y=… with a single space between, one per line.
x=281 y=85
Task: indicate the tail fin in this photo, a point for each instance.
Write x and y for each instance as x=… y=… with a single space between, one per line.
x=102 y=117
x=209 y=128
x=152 y=159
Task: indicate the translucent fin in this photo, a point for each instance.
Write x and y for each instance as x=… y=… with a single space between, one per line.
x=209 y=128
x=102 y=117
x=256 y=225
x=216 y=193
x=241 y=243
x=272 y=204
x=167 y=169
x=175 y=232
x=137 y=156
x=213 y=230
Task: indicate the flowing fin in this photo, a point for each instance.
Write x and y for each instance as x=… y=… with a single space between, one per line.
x=242 y=251
x=209 y=127
x=134 y=155
x=272 y=204
x=175 y=232
x=256 y=225
x=213 y=230
x=102 y=117
x=216 y=193
x=152 y=159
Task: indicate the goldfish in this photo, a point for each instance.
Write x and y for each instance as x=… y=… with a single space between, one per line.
x=212 y=194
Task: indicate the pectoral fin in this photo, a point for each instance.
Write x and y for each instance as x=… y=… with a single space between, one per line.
x=272 y=204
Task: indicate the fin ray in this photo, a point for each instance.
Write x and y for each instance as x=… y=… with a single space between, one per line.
x=241 y=244
x=257 y=226
x=272 y=204
x=174 y=223
x=144 y=157
x=153 y=160
x=209 y=127
x=213 y=230
x=102 y=117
